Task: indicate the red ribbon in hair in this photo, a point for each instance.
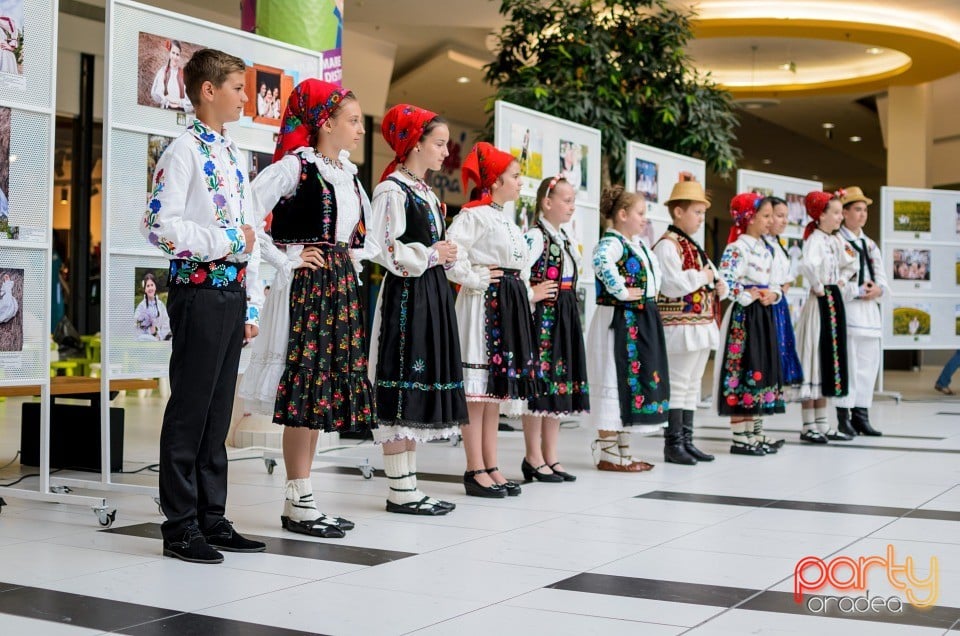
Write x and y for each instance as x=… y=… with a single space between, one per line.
x=743 y=208
x=483 y=165
x=815 y=202
x=309 y=106
x=402 y=128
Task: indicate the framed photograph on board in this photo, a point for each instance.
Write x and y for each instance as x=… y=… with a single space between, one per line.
x=160 y=62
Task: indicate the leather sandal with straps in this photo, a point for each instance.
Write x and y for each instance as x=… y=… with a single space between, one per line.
x=622 y=463
x=426 y=506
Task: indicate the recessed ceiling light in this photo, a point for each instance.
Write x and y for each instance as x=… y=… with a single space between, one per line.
x=827 y=125
x=767 y=162
x=784 y=67
x=874 y=51
x=463 y=79
x=814 y=177
x=856 y=139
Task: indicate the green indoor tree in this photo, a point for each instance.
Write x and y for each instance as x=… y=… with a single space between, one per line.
x=617 y=66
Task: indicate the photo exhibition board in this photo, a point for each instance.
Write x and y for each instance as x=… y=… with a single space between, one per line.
x=921 y=255
x=546 y=147
x=794 y=192
x=653 y=173
x=146 y=108
x=27 y=116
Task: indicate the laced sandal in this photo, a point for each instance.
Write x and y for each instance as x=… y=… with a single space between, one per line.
x=744 y=444
x=623 y=463
x=813 y=437
x=770 y=445
x=313 y=528
x=423 y=507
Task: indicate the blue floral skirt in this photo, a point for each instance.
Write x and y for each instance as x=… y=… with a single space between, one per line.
x=790 y=367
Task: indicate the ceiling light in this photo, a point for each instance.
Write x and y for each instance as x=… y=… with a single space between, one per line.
x=756 y=103
x=784 y=67
x=463 y=79
x=814 y=177
x=828 y=126
x=767 y=162
x=874 y=51
x=856 y=139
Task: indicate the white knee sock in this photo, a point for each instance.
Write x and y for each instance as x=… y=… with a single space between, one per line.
x=298 y=503
x=403 y=485
x=807 y=416
x=820 y=418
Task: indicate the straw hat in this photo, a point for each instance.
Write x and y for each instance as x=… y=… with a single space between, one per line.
x=852 y=195
x=688 y=191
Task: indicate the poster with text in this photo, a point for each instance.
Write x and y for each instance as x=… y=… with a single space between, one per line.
x=11 y=45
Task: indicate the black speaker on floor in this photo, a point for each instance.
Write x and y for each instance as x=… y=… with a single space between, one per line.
x=74 y=437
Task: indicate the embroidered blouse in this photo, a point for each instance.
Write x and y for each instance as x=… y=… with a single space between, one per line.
x=199 y=199
x=609 y=251
x=388 y=221
x=780 y=269
x=570 y=255
x=484 y=236
x=830 y=260
x=747 y=263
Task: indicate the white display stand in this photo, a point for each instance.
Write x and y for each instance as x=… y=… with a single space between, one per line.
x=25 y=353
x=653 y=172
x=921 y=254
x=793 y=191
x=132 y=122
x=552 y=142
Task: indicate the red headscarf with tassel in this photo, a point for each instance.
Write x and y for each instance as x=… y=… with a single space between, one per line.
x=309 y=106
x=483 y=165
x=816 y=202
x=402 y=128
x=743 y=208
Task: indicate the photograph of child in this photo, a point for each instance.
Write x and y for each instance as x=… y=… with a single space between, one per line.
x=160 y=63
x=11 y=315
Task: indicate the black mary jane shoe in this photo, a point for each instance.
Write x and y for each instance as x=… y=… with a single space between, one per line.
x=565 y=476
x=837 y=436
x=314 y=528
x=531 y=472
x=740 y=448
x=422 y=507
x=474 y=489
x=813 y=437
x=513 y=488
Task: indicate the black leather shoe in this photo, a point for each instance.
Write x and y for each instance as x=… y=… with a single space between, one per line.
x=474 y=489
x=687 y=435
x=513 y=488
x=563 y=475
x=422 y=507
x=837 y=436
x=813 y=437
x=860 y=420
x=531 y=472
x=192 y=547
x=224 y=537
x=843 y=422
x=673 y=449
x=739 y=448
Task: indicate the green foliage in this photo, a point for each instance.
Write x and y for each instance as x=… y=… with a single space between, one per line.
x=617 y=66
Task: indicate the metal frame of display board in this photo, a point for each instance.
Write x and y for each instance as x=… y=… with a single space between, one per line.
x=246 y=140
x=45 y=491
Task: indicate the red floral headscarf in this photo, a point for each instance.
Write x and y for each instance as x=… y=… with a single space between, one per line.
x=816 y=203
x=309 y=106
x=402 y=128
x=483 y=165
x=743 y=208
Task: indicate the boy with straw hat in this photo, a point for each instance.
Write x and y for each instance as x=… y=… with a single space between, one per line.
x=689 y=301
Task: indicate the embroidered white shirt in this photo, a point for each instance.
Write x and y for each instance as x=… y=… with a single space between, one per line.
x=605 y=256
x=389 y=221
x=747 y=263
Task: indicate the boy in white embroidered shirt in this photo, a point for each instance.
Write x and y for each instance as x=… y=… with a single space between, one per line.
x=195 y=215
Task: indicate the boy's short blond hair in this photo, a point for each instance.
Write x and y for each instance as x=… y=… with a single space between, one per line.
x=209 y=65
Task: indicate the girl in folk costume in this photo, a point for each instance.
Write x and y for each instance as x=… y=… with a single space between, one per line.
x=493 y=312
x=689 y=302
x=748 y=370
x=632 y=393
x=415 y=360
x=863 y=317
x=790 y=369
x=828 y=264
x=318 y=202
x=556 y=320
x=153 y=322
x=168 y=89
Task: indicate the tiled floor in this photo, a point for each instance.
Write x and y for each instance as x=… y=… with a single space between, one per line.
x=709 y=549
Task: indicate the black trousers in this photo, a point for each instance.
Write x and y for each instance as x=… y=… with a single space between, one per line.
x=207 y=326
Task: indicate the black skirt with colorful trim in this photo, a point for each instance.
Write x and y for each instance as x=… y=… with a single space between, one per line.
x=750 y=378
x=640 y=353
x=562 y=358
x=834 y=375
x=324 y=384
x=419 y=368
x=511 y=349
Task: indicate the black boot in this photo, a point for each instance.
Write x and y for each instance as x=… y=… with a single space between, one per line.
x=843 y=422
x=673 y=450
x=688 y=446
x=860 y=421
